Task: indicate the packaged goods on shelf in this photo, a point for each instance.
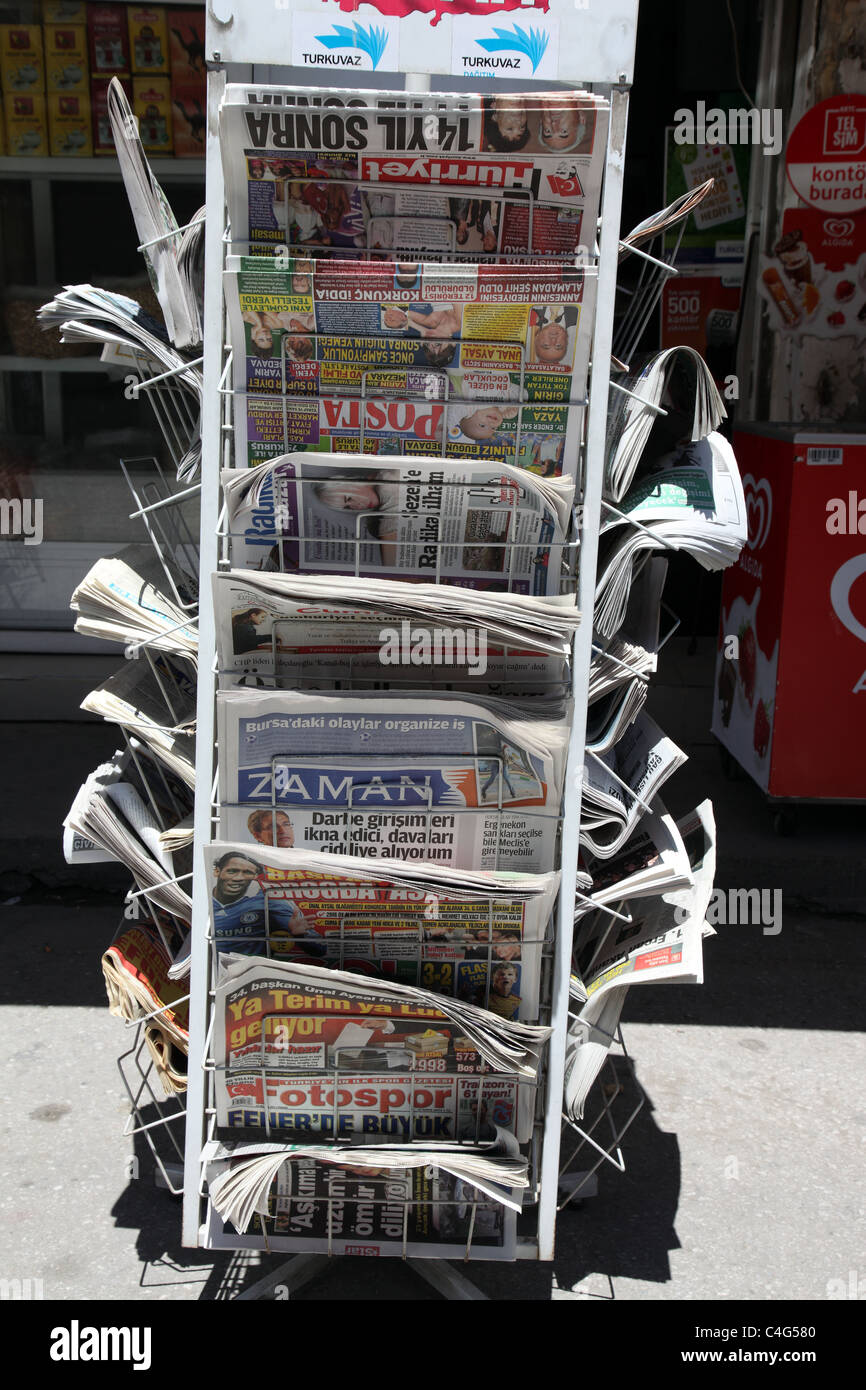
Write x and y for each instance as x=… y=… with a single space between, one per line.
x=26 y=124
x=148 y=38
x=151 y=102
x=22 y=63
x=67 y=65
x=109 y=39
x=70 y=128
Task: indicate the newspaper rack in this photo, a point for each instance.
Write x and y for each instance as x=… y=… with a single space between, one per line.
x=605 y=42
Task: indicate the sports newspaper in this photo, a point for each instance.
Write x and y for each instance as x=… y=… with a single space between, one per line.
x=476 y=936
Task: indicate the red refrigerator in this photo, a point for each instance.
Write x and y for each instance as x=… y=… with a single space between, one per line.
x=790 y=682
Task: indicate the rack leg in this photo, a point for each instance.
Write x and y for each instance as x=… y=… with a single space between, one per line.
x=292 y=1275
x=446 y=1280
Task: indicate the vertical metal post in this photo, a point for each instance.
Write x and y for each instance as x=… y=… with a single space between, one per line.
x=593 y=475
x=211 y=460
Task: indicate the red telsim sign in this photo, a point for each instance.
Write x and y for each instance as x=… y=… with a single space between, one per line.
x=438 y=8
x=826 y=155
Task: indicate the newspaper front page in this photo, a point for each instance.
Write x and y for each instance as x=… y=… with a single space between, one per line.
x=463 y=176
x=447 y=780
x=478 y=938
x=477 y=524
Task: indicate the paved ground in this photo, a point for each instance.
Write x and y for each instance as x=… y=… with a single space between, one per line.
x=744 y=1169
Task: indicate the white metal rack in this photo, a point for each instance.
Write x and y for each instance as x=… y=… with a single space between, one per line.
x=595 y=48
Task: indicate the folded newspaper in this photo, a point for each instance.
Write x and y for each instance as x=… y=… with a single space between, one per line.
x=356 y=172
x=484 y=526
x=652 y=860
x=660 y=943
x=304 y=640
x=302 y=1049
x=135 y=968
x=155 y=223
x=86 y=314
x=153 y=782
x=692 y=501
x=375 y=1200
x=470 y=783
x=110 y=812
x=472 y=935
x=122 y=599
x=671 y=403
x=619 y=785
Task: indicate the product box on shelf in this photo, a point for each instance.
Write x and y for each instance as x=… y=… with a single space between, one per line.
x=103 y=140
x=67 y=68
x=148 y=38
x=26 y=124
x=189 y=121
x=22 y=66
x=186 y=48
x=188 y=81
x=64 y=12
x=109 y=39
x=69 y=124
x=151 y=102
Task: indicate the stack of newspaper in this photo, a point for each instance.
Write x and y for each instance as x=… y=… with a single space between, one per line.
x=114 y=810
x=122 y=599
x=342 y=339
x=135 y=968
x=399 y=1198
x=315 y=632
x=444 y=1188
x=671 y=403
x=155 y=223
x=690 y=500
x=657 y=941
x=469 y=782
x=307 y=1050
x=474 y=935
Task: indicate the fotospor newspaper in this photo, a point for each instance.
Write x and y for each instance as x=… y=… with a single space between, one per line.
x=306 y=1051
x=466 y=783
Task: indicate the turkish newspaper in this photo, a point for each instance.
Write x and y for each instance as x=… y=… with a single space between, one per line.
x=356 y=173
x=475 y=936
x=482 y=525
x=280 y=632
x=306 y=1051
x=445 y=365
x=465 y=783
x=379 y=1200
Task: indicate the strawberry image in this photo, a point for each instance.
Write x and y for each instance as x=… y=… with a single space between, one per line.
x=748 y=663
x=761 y=736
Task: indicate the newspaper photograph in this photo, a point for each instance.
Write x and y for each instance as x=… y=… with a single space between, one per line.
x=444 y=779
x=458 y=175
x=482 y=525
x=473 y=332
x=474 y=936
